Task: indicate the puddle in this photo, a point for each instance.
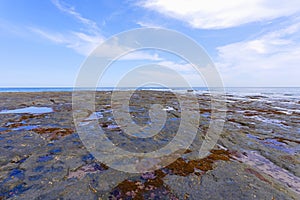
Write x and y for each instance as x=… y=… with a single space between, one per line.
x=92 y=117
x=168 y=108
x=253 y=137
x=87 y=169
x=275 y=143
x=265 y=120
x=261 y=163
x=3 y=129
x=45 y=158
x=284 y=110
x=113 y=126
x=206 y=114
x=29 y=110
x=25 y=128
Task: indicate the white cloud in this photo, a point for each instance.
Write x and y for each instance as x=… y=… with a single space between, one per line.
x=112 y=49
x=179 y=67
x=81 y=42
x=71 y=11
x=85 y=42
x=217 y=14
x=272 y=59
x=148 y=24
x=54 y=37
x=140 y=55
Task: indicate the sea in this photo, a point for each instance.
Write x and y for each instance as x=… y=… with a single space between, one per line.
x=293 y=92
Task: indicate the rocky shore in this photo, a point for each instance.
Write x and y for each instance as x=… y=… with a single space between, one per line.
x=257 y=155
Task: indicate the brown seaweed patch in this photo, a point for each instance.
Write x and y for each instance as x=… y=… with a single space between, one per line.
x=21 y=120
x=26 y=117
x=152 y=182
x=128 y=188
x=187 y=151
x=15 y=125
x=144 y=189
x=181 y=167
x=54 y=133
x=250 y=114
x=128 y=185
x=275 y=112
x=283 y=140
x=241 y=123
x=184 y=168
x=205 y=110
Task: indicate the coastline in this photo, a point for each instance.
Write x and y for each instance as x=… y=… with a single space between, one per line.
x=43 y=156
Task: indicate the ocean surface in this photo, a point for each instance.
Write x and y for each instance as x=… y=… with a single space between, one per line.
x=293 y=92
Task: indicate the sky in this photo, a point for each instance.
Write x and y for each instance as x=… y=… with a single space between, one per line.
x=252 y=43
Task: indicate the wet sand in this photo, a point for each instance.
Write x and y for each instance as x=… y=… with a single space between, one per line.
x=256 y=157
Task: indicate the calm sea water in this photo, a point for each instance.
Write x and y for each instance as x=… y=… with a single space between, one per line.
x=265 y=91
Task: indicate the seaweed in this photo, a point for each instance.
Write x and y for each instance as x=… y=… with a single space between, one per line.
x=152 y=182
x=54 y=133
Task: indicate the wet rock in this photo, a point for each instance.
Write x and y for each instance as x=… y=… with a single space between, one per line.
x=42 y=156
x=227 y=181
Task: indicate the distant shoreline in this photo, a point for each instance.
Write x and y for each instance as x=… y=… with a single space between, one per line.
x=285 y=92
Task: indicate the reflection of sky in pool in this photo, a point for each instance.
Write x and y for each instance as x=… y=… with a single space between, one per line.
x=275 y=144
x=30 y=110
x=26 y=128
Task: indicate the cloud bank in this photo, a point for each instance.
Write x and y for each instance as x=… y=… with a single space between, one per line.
x=272 y=58
x=218 y=14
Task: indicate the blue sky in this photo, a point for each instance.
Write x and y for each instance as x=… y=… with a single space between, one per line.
x=252 y=43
